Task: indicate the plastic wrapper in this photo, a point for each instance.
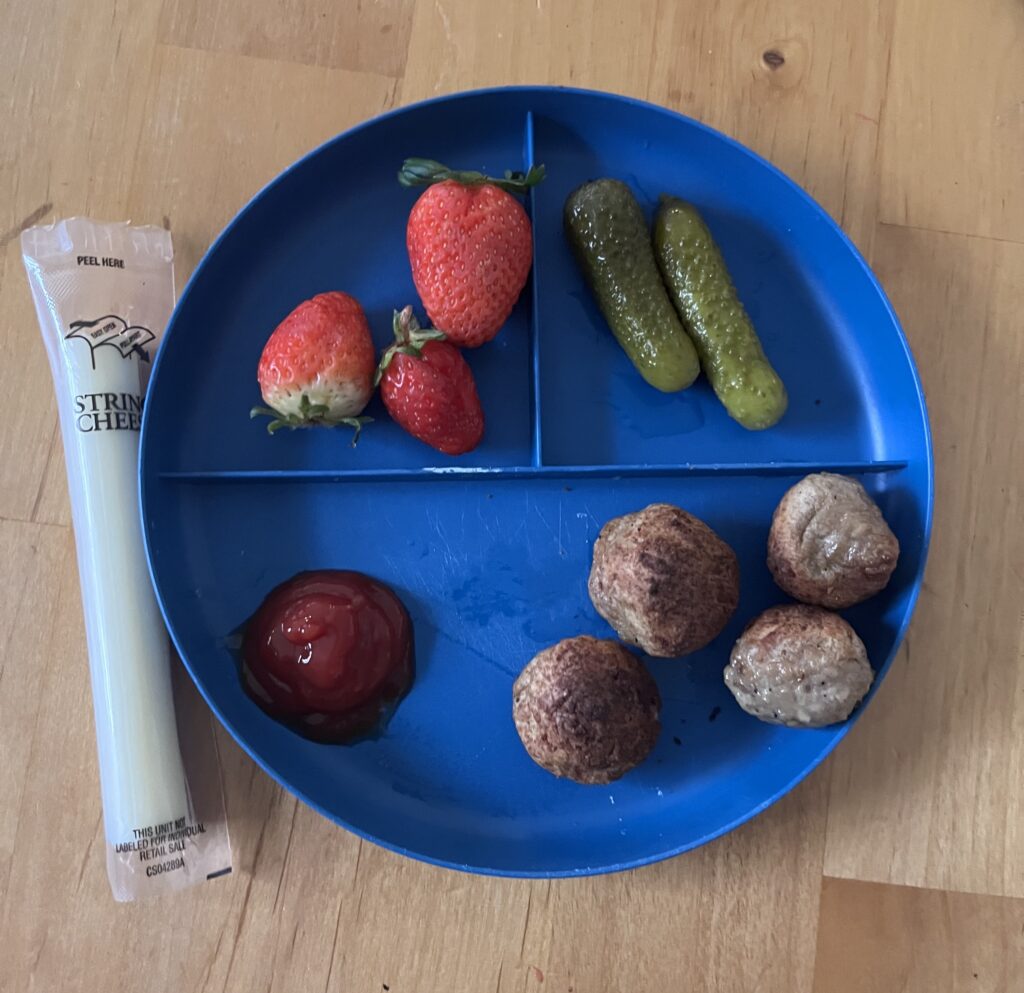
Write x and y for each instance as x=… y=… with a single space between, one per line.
x=103 y=295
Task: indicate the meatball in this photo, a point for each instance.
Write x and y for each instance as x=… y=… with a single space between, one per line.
x=664 y=580
x=800 y=666
x=829 y=543
x=587 y=710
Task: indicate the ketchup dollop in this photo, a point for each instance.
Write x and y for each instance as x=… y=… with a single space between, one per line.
x=328 y=653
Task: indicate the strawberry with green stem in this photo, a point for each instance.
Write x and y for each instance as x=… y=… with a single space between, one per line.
x=317 y=367
x=428 y=388
x=470 y=246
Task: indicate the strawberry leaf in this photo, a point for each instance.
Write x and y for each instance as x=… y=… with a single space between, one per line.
x=309 y=415
x=425 y=172
x=357 y=423
x=409 y=340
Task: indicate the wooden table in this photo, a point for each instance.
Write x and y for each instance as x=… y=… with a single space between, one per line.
x=899 y=865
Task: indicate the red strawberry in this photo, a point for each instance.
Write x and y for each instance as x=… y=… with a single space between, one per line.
x=428 y=388
x=318 y=365
x=470 y=247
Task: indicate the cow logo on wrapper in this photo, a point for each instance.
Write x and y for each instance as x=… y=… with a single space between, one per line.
x=128 y=339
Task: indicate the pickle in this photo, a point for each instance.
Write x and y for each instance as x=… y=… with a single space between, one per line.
x=609 y=235
x=703 y=292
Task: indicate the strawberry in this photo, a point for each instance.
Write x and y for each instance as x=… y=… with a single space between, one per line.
x=470 y=247
x=318 y=366
x=428 y=388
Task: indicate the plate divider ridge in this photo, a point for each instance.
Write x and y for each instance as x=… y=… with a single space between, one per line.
x=481 y=473
x=536 y=434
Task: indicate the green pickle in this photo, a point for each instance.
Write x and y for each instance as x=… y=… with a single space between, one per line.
x=703 y=292
x=609 y=235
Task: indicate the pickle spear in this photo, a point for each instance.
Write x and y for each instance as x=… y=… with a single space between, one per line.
x=609 y=236
x=703 y=293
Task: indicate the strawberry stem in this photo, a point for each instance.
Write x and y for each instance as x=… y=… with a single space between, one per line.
x=409 y=340
x=356 y=423
x=424 y=172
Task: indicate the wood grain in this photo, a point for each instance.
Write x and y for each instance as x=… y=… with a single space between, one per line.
x=904 y=118
x=812 y=108
x=369 y=35
x=711 y=917
x=218 y=127
x=39 y=556
x=953 y=160
x=87 y=102
x=928 y=790
x=878 y=939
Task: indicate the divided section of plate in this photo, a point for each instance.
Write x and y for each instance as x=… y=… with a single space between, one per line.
x=491 y=551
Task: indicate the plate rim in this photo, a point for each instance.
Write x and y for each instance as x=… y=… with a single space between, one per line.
x=145 y=471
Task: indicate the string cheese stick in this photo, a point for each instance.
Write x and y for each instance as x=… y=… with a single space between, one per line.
x=103 y=294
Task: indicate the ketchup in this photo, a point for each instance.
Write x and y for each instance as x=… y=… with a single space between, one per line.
x=328 y=653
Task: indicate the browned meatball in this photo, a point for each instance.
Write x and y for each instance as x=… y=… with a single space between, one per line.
x=587 y=710
x=664 y=580
x=829 y=543
x=800 y=666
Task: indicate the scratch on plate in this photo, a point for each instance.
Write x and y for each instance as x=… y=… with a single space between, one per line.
x=547 y=523
x=446 y=545
x=489 y=524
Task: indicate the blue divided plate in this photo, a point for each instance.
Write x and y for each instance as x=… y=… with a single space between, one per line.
x=491 y=551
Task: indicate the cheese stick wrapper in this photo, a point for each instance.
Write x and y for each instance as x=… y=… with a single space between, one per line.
x=103 y=294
